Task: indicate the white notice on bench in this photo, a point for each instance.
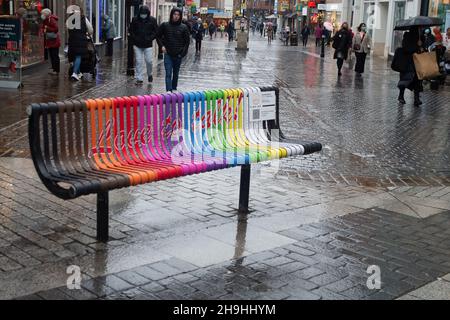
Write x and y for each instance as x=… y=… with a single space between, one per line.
x=262 y=106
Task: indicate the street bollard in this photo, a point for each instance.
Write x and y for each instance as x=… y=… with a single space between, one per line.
x=130 y=57
x=322 y=49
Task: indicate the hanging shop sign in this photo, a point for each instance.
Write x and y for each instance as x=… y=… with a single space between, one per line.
x=10 y=52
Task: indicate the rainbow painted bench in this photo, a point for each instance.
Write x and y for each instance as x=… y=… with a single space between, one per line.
x=80 y=147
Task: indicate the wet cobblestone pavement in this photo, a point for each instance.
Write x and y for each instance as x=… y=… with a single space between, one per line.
x=379 y=194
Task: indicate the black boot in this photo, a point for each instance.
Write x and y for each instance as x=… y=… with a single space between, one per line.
x=417 y=101
x=401 y=96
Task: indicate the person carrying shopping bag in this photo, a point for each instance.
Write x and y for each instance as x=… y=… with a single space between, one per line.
x=361 y=47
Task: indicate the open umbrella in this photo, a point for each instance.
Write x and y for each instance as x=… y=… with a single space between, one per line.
x=419 y=21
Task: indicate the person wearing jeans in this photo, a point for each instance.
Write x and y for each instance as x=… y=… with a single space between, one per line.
x=142 y=33
x=172 y=66
x=78 y=43
x=174 y=39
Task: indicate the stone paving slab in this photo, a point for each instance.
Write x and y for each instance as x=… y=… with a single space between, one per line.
x=279 y=274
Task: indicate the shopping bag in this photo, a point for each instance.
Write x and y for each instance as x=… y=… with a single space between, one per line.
x=351 y=61
x=426 y=65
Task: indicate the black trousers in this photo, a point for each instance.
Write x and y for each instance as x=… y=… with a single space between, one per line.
x=360 y=61
x=198 y=45
x=54 y=58
x=305 y=41
x=340 y=63
x=109 y=47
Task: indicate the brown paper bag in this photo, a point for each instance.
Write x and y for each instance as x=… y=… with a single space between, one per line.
x=426 y=65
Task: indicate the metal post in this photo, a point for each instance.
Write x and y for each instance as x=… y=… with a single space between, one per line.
x=322 y=49
x=244 y=189
x=102 y=216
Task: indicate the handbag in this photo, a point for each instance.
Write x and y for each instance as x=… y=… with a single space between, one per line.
x=426 y=65
x=51 y=35
x=356 y=46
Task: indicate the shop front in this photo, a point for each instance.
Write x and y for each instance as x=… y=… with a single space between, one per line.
x=32 y=35
x=95 y=9
x=441 y=9
x=397 y=36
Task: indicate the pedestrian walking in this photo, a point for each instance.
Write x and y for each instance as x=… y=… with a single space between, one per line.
x=143 y=30
x=197 y=32
x=222 y=29
x=78 y=43
x=342 y=42
x=318 y=34
x=173 y=37
x=261 y=28
x=427 y=38
x=212 y=30
x=205 y=27
x=438 y=35
x=269 y=33
x=52 y=39
x=446 y=40
x=361 y=46
x=403 y=62
x=108 y=33
x=305 y=34
x=230 y=30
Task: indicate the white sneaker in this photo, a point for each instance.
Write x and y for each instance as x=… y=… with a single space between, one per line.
x=80 y=75
x=75 y=77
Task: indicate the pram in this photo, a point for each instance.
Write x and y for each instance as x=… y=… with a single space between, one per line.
x=440 y=54
x=88 y=62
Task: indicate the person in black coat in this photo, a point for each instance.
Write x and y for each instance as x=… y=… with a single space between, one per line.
x=305 y=34
x=78 y=42
x=174 y=39
x=404 y=63
x=342 y=42
x=197 y=32
x=142 y=33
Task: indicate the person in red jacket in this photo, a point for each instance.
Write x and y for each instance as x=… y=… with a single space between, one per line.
x=52 y=38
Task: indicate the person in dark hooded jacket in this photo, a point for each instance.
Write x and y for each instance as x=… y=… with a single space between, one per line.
x=108 y=34
x=174 y=39
x=143 y=30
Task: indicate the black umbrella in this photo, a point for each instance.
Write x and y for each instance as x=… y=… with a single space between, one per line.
x=419 y=21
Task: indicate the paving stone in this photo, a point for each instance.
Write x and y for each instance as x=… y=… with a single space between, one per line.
x=149 y=273
x=115 y=283
x=133 y=278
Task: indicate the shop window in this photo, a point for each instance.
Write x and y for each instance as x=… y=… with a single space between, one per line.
x=399 y=14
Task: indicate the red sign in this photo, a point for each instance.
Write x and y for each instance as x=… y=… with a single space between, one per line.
x=311 y=4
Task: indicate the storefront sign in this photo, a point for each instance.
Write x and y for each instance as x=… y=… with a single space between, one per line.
x=203 y=10
x=10 y=52
x=321 y=6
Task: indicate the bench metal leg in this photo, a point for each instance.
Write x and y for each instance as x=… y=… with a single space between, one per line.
x=102 y=216
x=244 y=188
